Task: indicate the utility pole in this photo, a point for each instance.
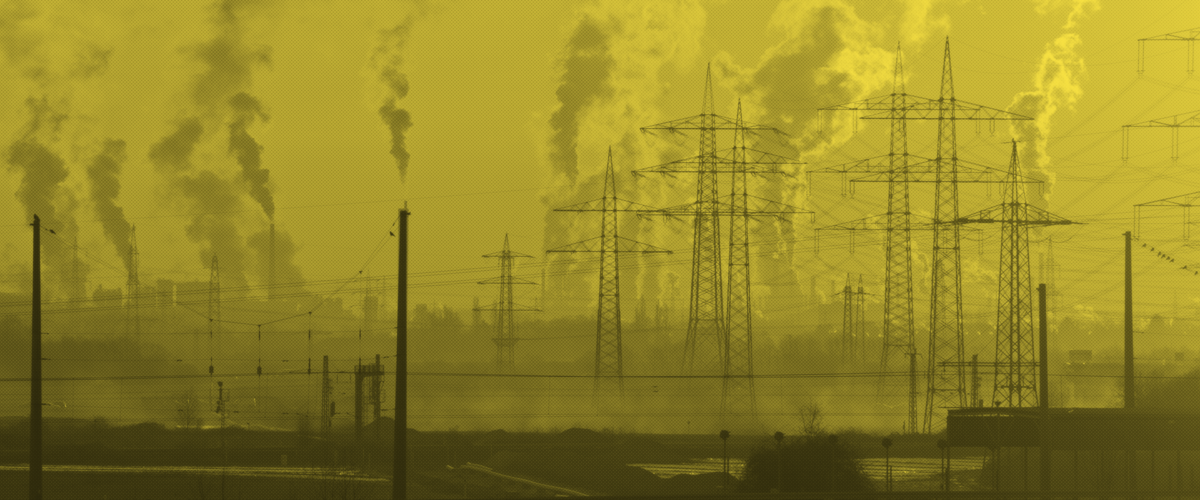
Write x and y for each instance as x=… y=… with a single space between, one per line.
x=1044 y=389
x=326 y=398
x=975 y=382
x=1129 y=386
x=506 y=329
x=848 y=318
x=912 y=392
x=608 y=387
x=860 y=320
x=35 y=390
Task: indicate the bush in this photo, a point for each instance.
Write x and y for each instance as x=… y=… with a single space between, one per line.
x=810 y=463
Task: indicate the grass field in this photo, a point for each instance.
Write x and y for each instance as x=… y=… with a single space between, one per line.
x=202 y=483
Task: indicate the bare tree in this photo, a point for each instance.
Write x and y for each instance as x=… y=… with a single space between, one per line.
x=812 y=419
x=189 y=408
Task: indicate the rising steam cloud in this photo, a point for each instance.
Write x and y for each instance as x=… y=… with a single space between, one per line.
x=54 y=59
x=389 y=62
x=247 y=110
x=609 y=88
x=41 y=168
x=1056 y=85
x=104 y=172
x=220 y=93
x=826 y=50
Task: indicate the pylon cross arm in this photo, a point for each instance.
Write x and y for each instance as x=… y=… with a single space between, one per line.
x=501 y=280
x=1189 y=34
x=596 y=245
x=719 y=122
x=763 y=206
x=996 y=214
x=597 y=205
x=878 y=103
x=725 y=161
x=881 y=223
x=506 y=254
x=933 y=110
x=876 y=165
x=501 y=307
x=757 y=162
x=1183 y=200
x=928 y=171
x=1189 y=119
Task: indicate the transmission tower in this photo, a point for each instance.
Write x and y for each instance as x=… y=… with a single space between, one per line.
x=506 y=334
x=78 y=280
x=1016 y=363
x=608 y=389
x=848 y=318
x=719 y=338
x=854 y=338
x=1188 y=36
x=1184 y=201
x=946 y=322
x=860 y=322
x=214 y=308
x=133 y=320
x=1190 y=119
x=898 y=168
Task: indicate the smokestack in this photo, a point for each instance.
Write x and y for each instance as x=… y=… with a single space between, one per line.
x=400 y=441
x=271 y=293
x=1128 y=320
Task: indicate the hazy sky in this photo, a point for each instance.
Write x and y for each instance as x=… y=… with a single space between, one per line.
x=502 y=95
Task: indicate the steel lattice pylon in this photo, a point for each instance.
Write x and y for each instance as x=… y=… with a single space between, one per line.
x=945 y=320
x=710 y=346
x=609 y=385
x=1188 y=36
x=854 y=339
x=947 y=171
x=706 y=331
x=1190 y=119
x=214 y=309
x=1185 y=201
x=848 y=318
x=947 y=385
x=1016 y=361
x=506 y=328
x=898 y=321
x=898 y=168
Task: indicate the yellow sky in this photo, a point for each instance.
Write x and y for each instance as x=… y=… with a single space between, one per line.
x=483 y=79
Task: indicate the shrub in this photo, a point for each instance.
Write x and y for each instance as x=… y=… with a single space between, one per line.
x=810 y=463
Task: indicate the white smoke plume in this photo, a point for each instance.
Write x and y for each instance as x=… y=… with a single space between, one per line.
x=611 y=85
x=104 y=172
x=1057 y=85
x=827 y=51
x=52 y=51
x=388 y=63
x=1079 y=8
x=220 y=93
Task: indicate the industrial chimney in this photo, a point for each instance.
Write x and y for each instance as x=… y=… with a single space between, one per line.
x=271 y=293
